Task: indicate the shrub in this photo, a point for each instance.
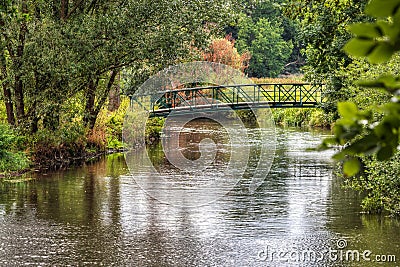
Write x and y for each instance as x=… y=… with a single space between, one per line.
x=290 y=116
x=108 y=129
x=319 y=118
x=153 y=129
x=10 y=158
x=381 y=182
x=62 y=146
x=302 y=117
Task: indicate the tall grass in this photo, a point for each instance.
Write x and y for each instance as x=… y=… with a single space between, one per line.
x=289 y=79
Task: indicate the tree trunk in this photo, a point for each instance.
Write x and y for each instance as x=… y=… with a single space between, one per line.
x=113 y=75
x=89 y=119
x=19 y=94
x=92 y=110
x=19 y=99
x=34 y=118
x=9 y=105
x=64 y=9
x=114 y=96
x=7 y=92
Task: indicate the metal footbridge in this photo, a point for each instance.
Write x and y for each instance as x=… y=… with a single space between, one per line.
x=238 y=96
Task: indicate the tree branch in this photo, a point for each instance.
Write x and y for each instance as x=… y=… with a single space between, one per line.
x=74 y=9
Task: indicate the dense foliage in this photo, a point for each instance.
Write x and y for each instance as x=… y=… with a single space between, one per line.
x=377 y=41
x=369 y=124
x=63 y=61
x=11 y=159
x=371 y=137
x=269 y=36
x=381 y=183
x=323 y=33
x=269 y=51
x=53 y=50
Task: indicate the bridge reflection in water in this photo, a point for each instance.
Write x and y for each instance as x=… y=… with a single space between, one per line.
x=239 y=96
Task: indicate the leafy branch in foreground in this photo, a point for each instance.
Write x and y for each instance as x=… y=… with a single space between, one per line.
x=356 y=130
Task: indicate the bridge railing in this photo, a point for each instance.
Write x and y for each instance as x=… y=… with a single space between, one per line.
x=235 y=96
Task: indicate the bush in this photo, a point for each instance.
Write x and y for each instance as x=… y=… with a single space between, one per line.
x=381 y=182
x=10 y=158
x=318 y=118
x=302 y=117
x=109 y=125
x=153 y=129
x=59 y=147
x=13 y=161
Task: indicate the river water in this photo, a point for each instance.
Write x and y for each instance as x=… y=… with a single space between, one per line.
x=96 y=214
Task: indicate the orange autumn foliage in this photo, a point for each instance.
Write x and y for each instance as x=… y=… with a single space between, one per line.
x=223 y=51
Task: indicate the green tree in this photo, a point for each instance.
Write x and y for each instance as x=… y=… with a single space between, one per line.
x=52 y=51
x=371 y=138
x=323 y=33
x=259 y=17
x=357 y=129
x=269 y=51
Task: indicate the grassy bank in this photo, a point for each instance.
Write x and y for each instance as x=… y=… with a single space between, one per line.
x=310 y=117
x=70 y=143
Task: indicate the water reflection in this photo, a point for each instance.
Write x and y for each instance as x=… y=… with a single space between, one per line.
x=96 y=214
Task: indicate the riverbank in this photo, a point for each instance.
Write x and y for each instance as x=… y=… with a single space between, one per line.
x=68 y=144
x=71 y=143
x=305 y=117
x=61 y=163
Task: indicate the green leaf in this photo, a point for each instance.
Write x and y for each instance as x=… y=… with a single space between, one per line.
x=351 y=167
x=347 y=110
x=396 y=17
x=368 y=30
x=339 y=156
x=388 y=82
x=381 y=53
x=394 y=109
x=359 y=47
x=330 y=140
x=389 y=29
x=379 y=8
x=366 y=145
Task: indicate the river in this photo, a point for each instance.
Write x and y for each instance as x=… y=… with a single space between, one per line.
x=96 y=214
